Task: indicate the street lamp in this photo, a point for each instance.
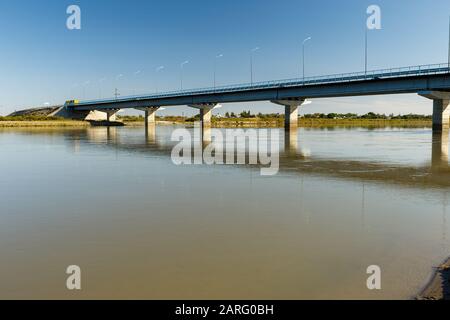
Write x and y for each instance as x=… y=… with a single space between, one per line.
x=365 y=53
x=181 y=74
x=135 y=74
x=251 y=63
x=215 y=62
x=73 y=91
x=158 y=69
x=100 y=87
x=303 y=55
x=118 y=77
x=448 y=44
x=84 y=88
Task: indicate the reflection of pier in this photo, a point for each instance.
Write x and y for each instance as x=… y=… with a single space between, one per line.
x=439 y=149
x=434 y=174
x=291 y=141
x=437 y=173
x=150 y=133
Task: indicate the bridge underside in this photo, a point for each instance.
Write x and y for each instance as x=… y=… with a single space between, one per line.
x=434 y=86
x=441 y=110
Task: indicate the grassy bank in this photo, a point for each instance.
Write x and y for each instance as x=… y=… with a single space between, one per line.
x=277 y=122
x=315 y=120
x=303 y=122
x=242 y=122
x=39 y=121
x=44 y=124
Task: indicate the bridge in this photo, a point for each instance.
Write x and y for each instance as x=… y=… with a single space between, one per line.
x=430 y=81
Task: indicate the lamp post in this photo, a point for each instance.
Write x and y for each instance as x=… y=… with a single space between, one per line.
x=181 y=73
x=365 y=53
x=84 y=88
x=135 y=74
x=449 y=44
x=118 y=77
x=215 y=65
x=251 y=63
x=100 y=87
x=303 y=56
x=73 y=90
x=158 y=69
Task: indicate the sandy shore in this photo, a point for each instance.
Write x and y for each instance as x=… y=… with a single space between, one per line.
x=66 y=123
x=439 y=286
x=233 y=123
x=50 y=123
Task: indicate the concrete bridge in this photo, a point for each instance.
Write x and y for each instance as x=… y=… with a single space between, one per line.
x=430 y=81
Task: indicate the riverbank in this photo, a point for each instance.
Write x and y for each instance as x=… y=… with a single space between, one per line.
x=314 y=123
x=278 y=122
x=43 y=123
x=439 y=286
x=231 y=122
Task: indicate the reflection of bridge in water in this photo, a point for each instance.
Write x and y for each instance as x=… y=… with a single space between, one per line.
x=293 y=159
x=433 y=175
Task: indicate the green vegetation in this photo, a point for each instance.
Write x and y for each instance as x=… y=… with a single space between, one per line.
x=370 y=115
x=39 y=121
x=140 y=118
x=130 y=118
x=31 y=118
x=244 y=119
x=320 y=119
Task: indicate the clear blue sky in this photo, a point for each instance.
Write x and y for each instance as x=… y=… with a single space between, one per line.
x=42 y=61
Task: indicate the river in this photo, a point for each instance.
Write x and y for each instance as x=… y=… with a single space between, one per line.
x=112 y=201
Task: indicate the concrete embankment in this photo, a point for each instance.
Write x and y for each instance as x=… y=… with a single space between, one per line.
x=439 y=286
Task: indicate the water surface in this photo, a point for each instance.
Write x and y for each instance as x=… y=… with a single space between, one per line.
x=112 y=202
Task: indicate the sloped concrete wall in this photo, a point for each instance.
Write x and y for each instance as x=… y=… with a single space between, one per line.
x=39 y=111
x=79 y=115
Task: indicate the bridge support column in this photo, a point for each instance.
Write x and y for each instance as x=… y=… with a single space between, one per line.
x=205 y=119
x=205 y=112
x=441 y=109
x=149 y=116
x=290 y=112
x=441 y=115
x=111 y=115
x=290 y=122
x=205 y=116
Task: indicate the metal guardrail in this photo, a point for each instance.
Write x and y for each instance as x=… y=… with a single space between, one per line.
x=421 y=70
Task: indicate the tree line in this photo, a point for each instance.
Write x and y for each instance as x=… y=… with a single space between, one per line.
x=369 y=115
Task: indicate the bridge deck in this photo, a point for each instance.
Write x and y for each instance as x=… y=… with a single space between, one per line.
x=394 y=80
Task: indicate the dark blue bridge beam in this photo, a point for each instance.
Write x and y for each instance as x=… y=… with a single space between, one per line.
x=358 y=88
x=292 y=94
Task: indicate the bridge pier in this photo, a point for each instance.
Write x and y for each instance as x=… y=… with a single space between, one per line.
x=290 y=122
x=111 y=115
x=149 y=116
x=290 y=112
x=441 y=110
x=205 y=119
x=441 y=114
x=206 y=116
x=205 y=112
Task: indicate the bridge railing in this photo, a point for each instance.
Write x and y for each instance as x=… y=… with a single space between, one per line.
x=429 y=69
